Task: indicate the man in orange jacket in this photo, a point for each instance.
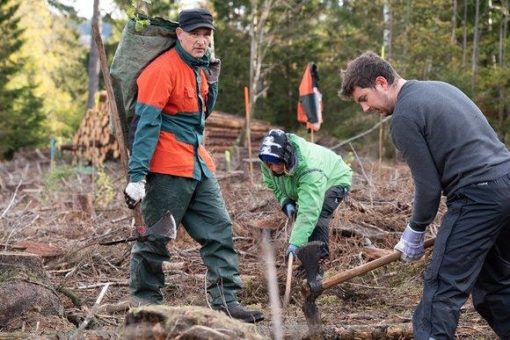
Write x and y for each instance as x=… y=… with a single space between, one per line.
x=170 y=170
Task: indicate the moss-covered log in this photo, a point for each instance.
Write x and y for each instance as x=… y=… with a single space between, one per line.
x=186 y=322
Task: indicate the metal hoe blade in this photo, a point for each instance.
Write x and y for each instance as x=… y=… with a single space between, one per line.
x=312 y=315
x=315 y=287
x=165 y=226
x=309 y=255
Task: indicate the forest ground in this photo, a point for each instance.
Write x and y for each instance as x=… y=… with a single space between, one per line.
x=41 y=204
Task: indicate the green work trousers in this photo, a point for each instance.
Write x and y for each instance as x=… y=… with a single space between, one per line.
x=200 y=207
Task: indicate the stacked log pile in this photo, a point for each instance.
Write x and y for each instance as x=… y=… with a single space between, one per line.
x=94 y=139
x=223 y=131
x=96 y=143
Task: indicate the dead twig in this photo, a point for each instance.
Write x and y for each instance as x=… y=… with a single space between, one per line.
x=67 y=292
x=348 y=141
x=12 y=199
x=92 y=311
x=260 y=205
x=371 y=226
x=120 y=219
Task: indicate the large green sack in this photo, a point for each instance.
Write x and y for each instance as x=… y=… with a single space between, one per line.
x=135 y=51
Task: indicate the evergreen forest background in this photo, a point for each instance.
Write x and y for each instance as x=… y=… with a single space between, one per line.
x=49 y=73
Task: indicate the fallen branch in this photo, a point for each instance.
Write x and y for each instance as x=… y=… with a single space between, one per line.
x=371 y=226
x=11 y=247
x=12 y=199
x=369 y=332
x=353 y=229
x=347 y=141
x=260 y=205
x=92 y=311
x=111 y=308
x=67 y=292
x=117 y=220
x=96 y=285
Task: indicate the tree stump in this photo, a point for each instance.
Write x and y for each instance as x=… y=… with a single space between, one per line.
x=24 y=287
x=85 y=204
x=185 y=322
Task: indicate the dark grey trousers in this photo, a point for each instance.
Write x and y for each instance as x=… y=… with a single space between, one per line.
x=471 y=256
x=200 y=207
x=332 y=199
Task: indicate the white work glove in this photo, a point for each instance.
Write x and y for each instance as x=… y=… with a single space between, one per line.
x=411 y=244
x=134 y=193
x=213 y=71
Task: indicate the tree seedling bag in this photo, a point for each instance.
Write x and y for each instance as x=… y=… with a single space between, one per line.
x=138 y=46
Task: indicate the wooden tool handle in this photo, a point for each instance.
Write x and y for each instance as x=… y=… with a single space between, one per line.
x=365 y=268
x=119 y=132
x=288 y=283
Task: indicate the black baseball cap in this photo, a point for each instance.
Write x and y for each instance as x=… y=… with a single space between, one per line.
x=190 y=19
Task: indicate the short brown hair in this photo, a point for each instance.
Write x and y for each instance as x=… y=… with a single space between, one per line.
x=362 y=72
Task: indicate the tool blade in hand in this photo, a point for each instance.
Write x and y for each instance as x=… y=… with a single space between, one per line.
x=165 y=226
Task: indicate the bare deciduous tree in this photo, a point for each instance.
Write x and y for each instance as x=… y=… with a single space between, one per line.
x=464 y=33
x=503 y=33
x=261 y=40
x=476 y=42
x=93 y=67
x=387 y=33
x=454 y=21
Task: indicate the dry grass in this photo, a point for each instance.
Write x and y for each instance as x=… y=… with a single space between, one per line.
x=41 y=205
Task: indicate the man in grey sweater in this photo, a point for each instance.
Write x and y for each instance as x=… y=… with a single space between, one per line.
x=451 y=149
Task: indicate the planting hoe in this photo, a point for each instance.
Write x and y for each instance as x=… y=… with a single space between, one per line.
x=288 y=282
x=309 y=255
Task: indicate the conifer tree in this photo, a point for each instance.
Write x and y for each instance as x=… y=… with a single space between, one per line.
x=20 y=116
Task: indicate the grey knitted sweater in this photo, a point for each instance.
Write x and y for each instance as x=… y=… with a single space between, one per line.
x=446 y=141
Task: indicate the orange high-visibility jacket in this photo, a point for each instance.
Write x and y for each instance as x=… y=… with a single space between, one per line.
x=170 y=119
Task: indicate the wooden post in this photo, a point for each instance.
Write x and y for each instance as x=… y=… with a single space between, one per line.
x=248 y=130
x=119 y=134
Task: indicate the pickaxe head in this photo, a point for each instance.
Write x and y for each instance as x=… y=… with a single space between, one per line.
x=309 y=255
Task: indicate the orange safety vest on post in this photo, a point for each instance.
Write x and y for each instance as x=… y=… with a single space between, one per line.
x=309 y=110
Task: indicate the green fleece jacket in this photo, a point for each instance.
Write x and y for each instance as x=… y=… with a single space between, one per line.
x=317 y=169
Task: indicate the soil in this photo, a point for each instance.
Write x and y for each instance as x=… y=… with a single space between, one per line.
x=40 y=203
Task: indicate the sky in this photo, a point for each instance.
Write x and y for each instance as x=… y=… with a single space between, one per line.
x=85 y=7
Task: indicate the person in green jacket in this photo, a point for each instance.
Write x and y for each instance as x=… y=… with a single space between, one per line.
x=309 y=181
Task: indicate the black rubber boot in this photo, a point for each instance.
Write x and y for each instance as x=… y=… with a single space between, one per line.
x=237 y=311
